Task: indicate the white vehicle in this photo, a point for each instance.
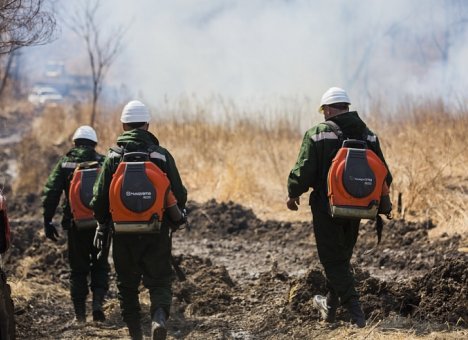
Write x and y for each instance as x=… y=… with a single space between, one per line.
x=44 y=95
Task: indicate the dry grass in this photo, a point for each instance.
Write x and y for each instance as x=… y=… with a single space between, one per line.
x=248 y=160
x=428 y=158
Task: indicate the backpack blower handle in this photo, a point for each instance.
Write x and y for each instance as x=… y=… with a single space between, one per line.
x=354 y=143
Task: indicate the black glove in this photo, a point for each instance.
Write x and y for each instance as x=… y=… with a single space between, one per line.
x=183 y=220
x=102 y=238
x=66 y=224
x=50 y=231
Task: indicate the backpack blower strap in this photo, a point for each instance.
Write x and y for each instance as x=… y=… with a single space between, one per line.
x=336 y=129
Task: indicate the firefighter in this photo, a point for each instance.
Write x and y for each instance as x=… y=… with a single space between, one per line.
x=82 y=255
x=335 y=237
x=138 y=256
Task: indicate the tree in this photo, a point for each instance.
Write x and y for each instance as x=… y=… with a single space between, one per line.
x=102 y=49
x=24 y=23
x=5 y=69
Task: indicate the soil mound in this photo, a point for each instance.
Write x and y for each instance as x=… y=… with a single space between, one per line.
x=405 y=246
x=208 y=289
x=32 y=255
x=439 y=297
x=443 y=293
x=215 y=220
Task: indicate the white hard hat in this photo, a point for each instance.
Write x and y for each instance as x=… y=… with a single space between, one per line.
x=334 y=95
x=85 y=132
x=135 y=112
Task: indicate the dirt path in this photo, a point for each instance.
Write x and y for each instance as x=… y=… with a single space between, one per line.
x=253 y=279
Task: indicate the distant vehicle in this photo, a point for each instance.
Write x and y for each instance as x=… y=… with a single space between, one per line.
x=54 y=69
x=44 y=95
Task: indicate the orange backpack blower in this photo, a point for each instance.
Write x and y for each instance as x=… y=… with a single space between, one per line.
x=356 y=181
x=81 y=193
x=139 y=195
x=4 y=226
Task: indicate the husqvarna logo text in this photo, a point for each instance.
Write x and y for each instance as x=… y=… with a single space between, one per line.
x=146 y=195
x=367 y=181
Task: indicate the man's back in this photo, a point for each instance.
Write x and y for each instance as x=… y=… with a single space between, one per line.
x=132 y=141
x=60 y=177
x=319 y=146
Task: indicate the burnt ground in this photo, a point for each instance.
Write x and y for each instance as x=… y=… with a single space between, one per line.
x=251 y=279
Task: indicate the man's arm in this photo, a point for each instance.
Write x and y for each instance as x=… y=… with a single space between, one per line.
x=179 y=190
x=379 y=153
x=100 y=201
x=305 y=170
x=55 y=185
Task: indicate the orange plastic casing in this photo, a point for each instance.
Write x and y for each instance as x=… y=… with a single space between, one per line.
x=120 y=213
x=337 y=194
x=78 y=209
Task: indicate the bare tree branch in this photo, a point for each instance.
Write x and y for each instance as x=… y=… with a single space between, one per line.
x=102 y=49
x=24 y=23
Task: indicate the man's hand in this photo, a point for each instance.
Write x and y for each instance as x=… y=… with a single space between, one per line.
x=50 y=231
x=293 y=203
x=102 y=238
x=183 y=220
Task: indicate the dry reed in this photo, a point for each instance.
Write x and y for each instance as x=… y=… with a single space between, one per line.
x=236 y=157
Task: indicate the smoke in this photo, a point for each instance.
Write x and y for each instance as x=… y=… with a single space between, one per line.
x=263 y=51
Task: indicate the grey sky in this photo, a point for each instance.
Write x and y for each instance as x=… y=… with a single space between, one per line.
x=261 y=49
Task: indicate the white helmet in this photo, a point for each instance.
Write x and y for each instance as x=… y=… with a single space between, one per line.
x=334 y=95
x=85 y=132
x=135 y=112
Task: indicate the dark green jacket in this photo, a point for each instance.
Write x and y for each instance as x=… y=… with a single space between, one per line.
x=318 y=148
x=60 y=178
x=134 y=140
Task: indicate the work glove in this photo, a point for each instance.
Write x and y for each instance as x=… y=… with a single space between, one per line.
x=293 y=202
x=50 y=231
x=102 y=238
x=183 y=220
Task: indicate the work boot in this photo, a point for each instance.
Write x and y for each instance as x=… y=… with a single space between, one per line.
x=80 y=311
x=80 y=318
x=158 y=325
x=355 y=311
x=98 y=300
x=134 y=328
x=332 y=302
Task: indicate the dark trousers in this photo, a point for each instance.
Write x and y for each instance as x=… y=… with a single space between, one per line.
x=144 y=257
x=83 y=261
x=335 y=238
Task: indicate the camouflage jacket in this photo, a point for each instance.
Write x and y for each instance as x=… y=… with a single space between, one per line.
x=59 y=181
x=131 y=141
x=319 y=146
